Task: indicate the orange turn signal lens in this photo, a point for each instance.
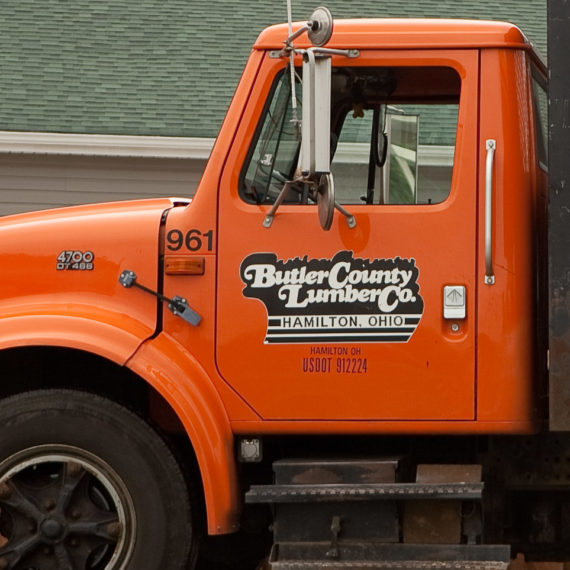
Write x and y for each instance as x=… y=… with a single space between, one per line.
x=178 y=265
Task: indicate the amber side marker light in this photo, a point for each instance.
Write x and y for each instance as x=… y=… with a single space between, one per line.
x=178 y=265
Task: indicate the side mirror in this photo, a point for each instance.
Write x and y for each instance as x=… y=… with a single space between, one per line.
x=320 y=26
x=315 y=155
x=315 y=130
x=315 y=158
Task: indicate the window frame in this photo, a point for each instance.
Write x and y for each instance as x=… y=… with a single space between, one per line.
x=541 y=130
x=460 y=61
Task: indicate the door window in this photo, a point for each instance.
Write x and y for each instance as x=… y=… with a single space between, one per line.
x=393 y=136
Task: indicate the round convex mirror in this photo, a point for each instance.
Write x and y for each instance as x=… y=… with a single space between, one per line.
x=325 y=201
x=322 y=26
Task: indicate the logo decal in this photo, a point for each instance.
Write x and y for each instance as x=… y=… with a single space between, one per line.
x=343 y=299
x=70 y=259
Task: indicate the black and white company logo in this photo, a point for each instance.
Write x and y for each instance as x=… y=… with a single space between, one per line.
x=343 y=299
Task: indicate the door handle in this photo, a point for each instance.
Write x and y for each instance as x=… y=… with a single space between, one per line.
x=490 y=145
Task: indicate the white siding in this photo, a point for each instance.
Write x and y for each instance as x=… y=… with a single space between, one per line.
x=36 y=182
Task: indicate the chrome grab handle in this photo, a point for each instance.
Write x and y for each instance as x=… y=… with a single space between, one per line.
x=491 y=145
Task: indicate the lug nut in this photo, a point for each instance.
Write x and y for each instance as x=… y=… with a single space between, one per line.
x=49 y=504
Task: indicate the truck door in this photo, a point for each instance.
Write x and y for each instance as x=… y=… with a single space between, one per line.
x=376 y=322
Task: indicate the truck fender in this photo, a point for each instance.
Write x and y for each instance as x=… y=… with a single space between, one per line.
x=106 y=333
x=184 y=384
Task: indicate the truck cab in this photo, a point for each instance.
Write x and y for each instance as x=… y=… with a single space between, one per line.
x=395 y=322
x=370 y=276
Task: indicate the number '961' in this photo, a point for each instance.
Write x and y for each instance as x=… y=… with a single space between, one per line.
x=75 y=260
x=192 y=240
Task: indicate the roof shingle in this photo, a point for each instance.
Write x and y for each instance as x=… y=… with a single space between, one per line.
x=164 y=67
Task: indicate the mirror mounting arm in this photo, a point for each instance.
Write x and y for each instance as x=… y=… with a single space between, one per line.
x=350 y=219
x=296 y=34
x=268 y=220
x=288 y=50
x=351 y=53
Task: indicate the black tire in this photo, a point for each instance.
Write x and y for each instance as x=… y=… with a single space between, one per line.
x=85 y=484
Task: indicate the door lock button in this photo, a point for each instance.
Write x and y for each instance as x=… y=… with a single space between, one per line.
x=454 y=301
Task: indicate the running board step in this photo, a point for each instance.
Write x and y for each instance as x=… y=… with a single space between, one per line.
x=298 y=556
x=405 y=565
x=376 y=492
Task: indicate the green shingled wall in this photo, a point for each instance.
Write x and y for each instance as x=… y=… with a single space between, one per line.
x=165 y=67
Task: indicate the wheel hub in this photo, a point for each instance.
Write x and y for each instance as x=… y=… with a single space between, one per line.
x=62 y=508
x=52 y=529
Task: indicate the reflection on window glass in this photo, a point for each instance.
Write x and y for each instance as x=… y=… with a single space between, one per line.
x=419 y=164
x=392 y=138
x=275 y=155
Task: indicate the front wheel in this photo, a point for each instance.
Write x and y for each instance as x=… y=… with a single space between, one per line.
x=87 y=485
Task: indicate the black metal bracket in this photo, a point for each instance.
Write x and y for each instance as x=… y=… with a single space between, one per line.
x=334 y=552
x=178 y=305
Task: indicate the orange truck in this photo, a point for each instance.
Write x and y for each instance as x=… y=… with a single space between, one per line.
x=342 y=337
